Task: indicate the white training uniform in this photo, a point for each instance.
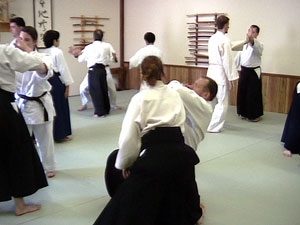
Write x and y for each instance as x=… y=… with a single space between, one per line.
x=13 y=42
x=154 y=106
x=12 y=60
x=139 y=56
x=60 y=65
x=111 y=86
x=32 y=85
x=250 y=56
x=198 y=114
x=222 y=71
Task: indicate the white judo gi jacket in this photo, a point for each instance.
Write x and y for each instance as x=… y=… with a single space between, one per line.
x=139 y=56
x=198 y=114
x=32 y=85
x=221 y=67
x=60 y=65
x=153 y=106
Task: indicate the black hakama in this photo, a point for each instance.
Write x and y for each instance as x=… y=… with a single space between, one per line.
x=291 y=132
x=161 y=188
x=249 y=95
x=62 y=122
x=98 y=89
x=21 y=171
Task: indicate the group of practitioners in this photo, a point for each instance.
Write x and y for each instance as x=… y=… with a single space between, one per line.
x=151 y=177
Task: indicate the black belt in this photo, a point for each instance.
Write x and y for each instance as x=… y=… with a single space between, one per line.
x=250 y=68
x=37 y=99
x=98 y=65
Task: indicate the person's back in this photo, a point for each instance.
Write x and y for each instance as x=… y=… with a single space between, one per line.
x=216 y=48
x=148 y=50
x=154 y=159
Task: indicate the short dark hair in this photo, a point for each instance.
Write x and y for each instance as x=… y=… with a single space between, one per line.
x=31 y=31
x=221 y=21
x=18 y=20
x=256 y=27
x=212 y=87
x=149 y=37
x=49 y=38
x=98 y=35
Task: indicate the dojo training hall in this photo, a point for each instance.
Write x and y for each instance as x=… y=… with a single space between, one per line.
x=242 y=177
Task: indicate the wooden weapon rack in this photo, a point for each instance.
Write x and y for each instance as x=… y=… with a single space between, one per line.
x=4 y=16
x=199 y=32
x=84 y=29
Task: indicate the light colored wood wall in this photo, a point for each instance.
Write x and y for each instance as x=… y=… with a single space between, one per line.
x=277 y=88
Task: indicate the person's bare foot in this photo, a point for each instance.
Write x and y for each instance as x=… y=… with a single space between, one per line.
x=82 y=108
x=50 y=174
x=27 y=209
x=287 y=153
x=200 y=221
x=255 y=120
x=213 y=132
x=22 y=208
x=64 y=140
x=97 y=116
x=116 y=107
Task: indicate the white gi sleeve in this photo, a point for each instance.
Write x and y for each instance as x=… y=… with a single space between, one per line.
x=130 y=136
x=47 y=59
x=230 y=71
x=63 y=68
x=21 y=61
x=198 y=114
x=237 y=45
x=259 y=47
x=84 y=56
x=134 y=61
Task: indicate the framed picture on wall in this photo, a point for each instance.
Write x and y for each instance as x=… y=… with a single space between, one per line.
x=42 y=15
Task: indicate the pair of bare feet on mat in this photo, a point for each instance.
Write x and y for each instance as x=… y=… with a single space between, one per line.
x=22 y=208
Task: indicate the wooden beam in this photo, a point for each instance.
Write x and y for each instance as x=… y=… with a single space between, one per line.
x=86 y=24
x=204 y=14
x=86 y=17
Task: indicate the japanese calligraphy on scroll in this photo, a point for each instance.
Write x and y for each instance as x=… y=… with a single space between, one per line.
x=42 y=18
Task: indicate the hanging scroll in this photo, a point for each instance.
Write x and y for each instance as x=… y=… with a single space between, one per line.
x=42 y=18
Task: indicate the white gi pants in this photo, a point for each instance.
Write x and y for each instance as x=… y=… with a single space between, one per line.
x=43 y=134
x=219 y=114
x=112 y=92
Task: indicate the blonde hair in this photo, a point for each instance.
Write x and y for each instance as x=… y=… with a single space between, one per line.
x=152 y=69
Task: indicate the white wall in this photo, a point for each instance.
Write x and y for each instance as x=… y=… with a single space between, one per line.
x=279 y=22
x=62 y=10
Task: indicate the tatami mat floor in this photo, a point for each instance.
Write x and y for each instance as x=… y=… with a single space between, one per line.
x=243 y=179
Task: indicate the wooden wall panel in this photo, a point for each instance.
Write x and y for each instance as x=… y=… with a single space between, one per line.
x=277 y=88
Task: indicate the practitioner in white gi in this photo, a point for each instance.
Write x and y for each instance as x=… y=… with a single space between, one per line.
x=197 y=99
x=35 y=102
x=97 y=55
x=158 y=168
x=60 y=81
x=112 y=91
x=249 y=95
x=21 y=171
x=148 y=50
x=16 y=24
x=221 y=70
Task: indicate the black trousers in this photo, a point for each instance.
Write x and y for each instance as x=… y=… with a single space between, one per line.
x=21 y=171
x=98 y=89
x=249 y=95
x=62 y=121
x=161 y=189
x=291 y=134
